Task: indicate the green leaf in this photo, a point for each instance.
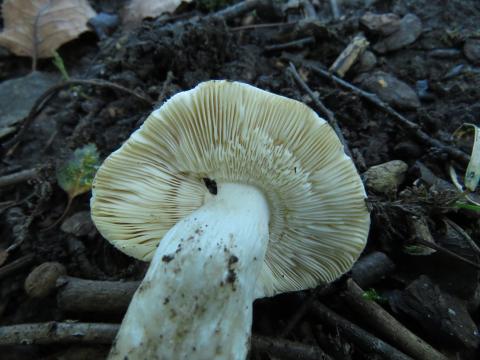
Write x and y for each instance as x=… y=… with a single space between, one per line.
x=467 y=206
x=60 y=65
x=472 y=174
x=76 y=175
x=372 y=295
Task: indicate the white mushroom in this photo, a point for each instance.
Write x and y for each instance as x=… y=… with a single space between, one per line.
x=234 y=194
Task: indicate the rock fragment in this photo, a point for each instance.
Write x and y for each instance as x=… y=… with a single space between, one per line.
x=381 y=24
x=471 y=49
x=385 y=178
x=408 y=32
x=390 y=89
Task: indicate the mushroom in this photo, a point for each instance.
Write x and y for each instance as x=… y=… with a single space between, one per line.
x=234 y=194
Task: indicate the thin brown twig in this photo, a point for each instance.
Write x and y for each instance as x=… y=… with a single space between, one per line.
x=367 y=270
x=388 y=327
x=299 y=43
x=446 y=252
x=18 y=177
x=16 y=265
x=412 y=127
x=100 y=333
x=288 y=350
x=366 y=341
x=262 y=26
x=41 y=102
x=319 y=104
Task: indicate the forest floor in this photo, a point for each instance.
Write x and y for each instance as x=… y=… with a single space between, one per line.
x=422 y=261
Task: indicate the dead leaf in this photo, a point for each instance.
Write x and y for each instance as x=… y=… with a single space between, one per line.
x=138 y=10
x=36 y=28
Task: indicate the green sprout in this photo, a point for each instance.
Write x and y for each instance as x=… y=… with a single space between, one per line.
x=372 y=295
x=60 y=65
x=473 y=207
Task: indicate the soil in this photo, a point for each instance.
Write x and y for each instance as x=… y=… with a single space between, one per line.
x=163 y=56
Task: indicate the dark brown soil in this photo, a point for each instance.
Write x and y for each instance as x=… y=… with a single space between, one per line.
x=160 y=58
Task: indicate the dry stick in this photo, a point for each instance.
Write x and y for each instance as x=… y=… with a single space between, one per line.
x=100 y=333
x=447 y=252
x=364 y=340
x=335 y=9
x=58 y=333
x=262 y=26
x=236 y=10
x=52 y=91
x=349 y=55
x=388 y=326
x=367 y=271
x=402 y=120
x=16 y=265
x=79 y=295
x=325 y=111
x=372 y=268
x=299 y=43
x=288 y=350
x=18 y=177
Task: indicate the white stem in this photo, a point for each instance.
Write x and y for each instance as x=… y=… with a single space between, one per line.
x=195 y=301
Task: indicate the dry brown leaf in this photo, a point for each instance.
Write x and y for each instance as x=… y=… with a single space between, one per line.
x=36 y=28
x=138 y=10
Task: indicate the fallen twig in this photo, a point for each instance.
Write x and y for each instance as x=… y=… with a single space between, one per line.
x=16 y=265
x=236 y=10
x=335 y=9
x=58 y=333
x=446 y=252
x=372 y=268
x=349 y=55
x=99 y=333
x=387 y=325
x=42 y=101
x=262 y=26
x=79 y=295
x=18 y=177
x=318 y=103
x=295 y=44
x=288 y=350
x=366 y=341
x=412 y=127
x=368 y=270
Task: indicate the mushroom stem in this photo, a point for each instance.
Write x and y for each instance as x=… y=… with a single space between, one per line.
x=195 y=301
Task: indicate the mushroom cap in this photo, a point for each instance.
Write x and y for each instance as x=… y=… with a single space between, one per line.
x=233 y=132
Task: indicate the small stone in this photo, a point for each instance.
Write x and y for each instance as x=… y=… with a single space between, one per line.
x=389 y=89
x=385 y=178
x=471 y=49
x=17 y=96
x=42 y=280
x=79 y=224
x=366 y=62
x=408 y=32
x=382 y=24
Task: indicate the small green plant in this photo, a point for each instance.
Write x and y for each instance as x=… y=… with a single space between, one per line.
x=473 y=207
x=372 y=295
x=75 y=176
x=60 y=65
